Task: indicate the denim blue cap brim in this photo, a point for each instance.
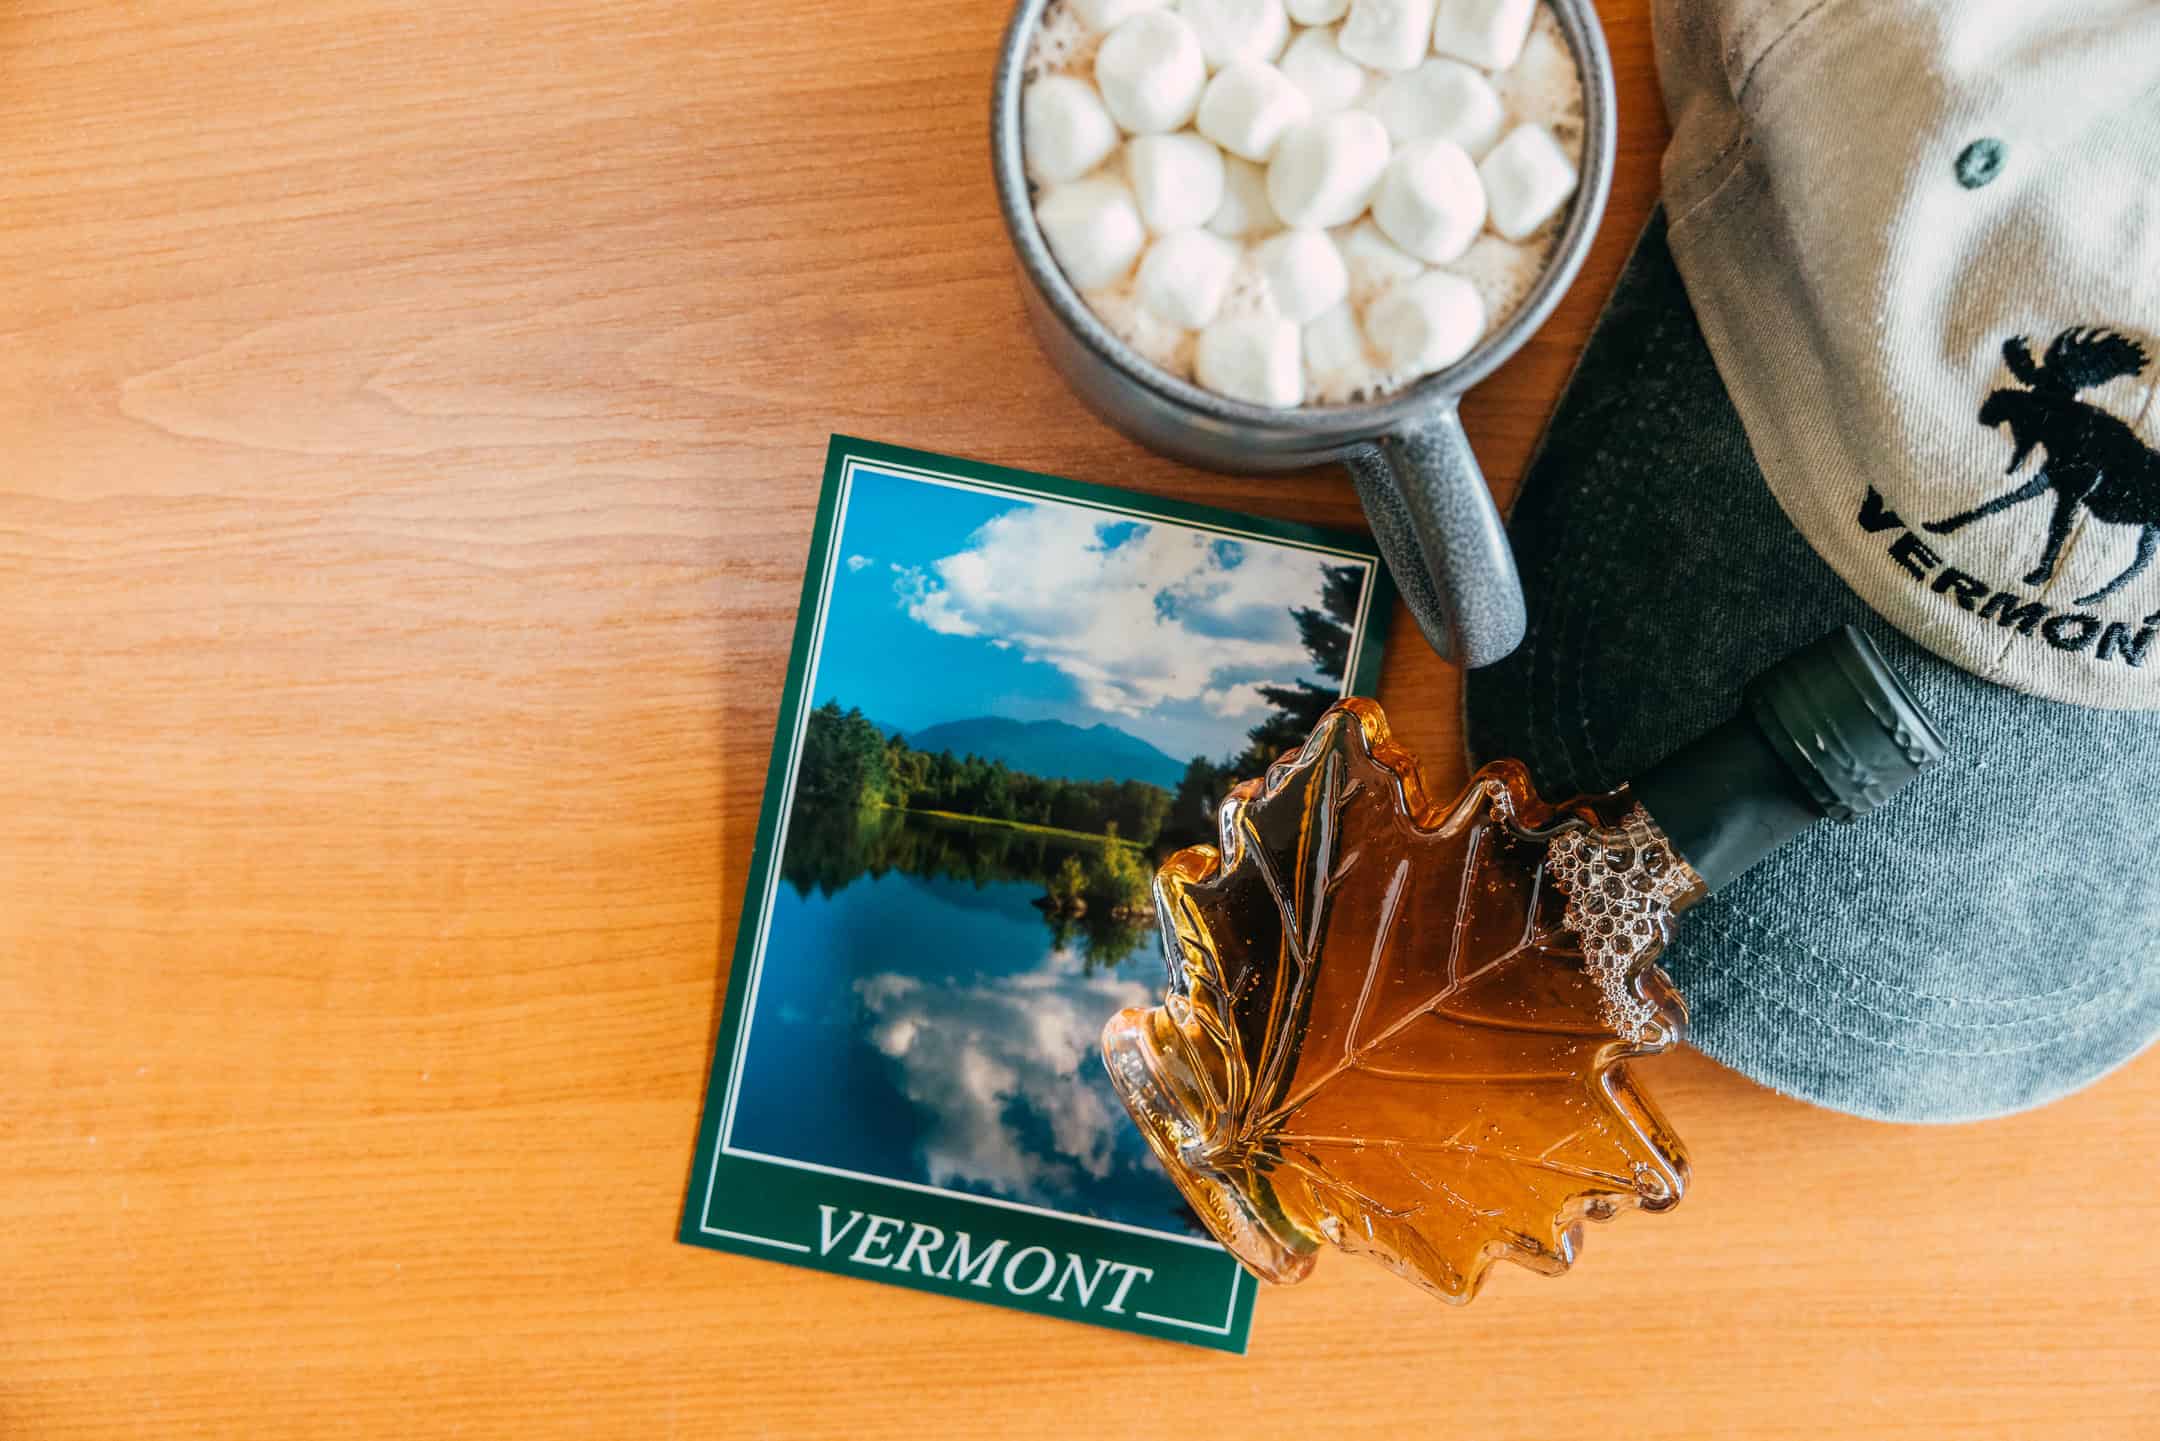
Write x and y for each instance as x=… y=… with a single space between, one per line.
x=1984 y=943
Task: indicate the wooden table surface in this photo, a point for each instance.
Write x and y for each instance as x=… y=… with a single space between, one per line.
x=413 y=415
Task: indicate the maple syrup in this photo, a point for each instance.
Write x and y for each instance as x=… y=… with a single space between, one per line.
x=1405 y=1029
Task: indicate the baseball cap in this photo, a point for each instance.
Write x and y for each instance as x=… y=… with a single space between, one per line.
x=1888 y=356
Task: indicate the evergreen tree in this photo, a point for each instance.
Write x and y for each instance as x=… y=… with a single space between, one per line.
x=843 y=760
x=1191 y=821
x=1325 y=633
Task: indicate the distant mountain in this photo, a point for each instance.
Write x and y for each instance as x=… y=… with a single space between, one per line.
x=1054 y=748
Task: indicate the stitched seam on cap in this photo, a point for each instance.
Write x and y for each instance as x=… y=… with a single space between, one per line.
x=1775 y=936
x=1747 y=82
x=1783 y=937
x=1766 y=1001
x=1823 y=1022
x=2044 y=1018
x=1738 y=139
x=1715 y=192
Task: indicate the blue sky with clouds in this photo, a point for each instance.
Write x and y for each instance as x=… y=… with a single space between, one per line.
x=951 y=603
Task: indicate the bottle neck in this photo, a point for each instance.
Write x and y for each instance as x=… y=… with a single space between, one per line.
x=1725 y=800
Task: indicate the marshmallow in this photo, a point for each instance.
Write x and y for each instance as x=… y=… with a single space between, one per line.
x=1324 y=171
x=1109 y=14
x=1185 y=276
x=1244 y=209
x=1318 y=12
x=1234 y=30
x=1064 y=130
x=1527 y=177
x=1488 y=33
x=1374 y=261
x=1151 y=73
x=1387 y=34
x=1431 y=202
x=1443 y=98
x=1330 y=80
x=1304 y=272
x=1425 y=324
x=1093 y=229
x=1248 y=107
x=1177 y=180
x=1334 y=346
x=1251 y=357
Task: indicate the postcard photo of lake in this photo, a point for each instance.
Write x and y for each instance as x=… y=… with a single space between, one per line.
x=1013 y=698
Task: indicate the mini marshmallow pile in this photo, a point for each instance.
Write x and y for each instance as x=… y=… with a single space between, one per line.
x=1288 y=209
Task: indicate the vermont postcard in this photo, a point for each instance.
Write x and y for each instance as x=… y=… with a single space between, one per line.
x=1010 y=697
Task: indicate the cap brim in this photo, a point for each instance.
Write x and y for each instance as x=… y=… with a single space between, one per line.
x=1982 y=944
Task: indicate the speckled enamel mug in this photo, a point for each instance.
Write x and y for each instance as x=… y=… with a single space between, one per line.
x=1423 y=492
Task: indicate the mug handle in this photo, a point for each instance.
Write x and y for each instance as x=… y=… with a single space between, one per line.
x=1441 y=534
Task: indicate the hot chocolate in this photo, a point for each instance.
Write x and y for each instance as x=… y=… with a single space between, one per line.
x=1314 y=203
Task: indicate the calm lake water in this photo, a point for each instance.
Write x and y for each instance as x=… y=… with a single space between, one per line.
x=918 y=1018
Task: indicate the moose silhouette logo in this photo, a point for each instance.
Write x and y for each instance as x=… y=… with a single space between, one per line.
x=2091 y=458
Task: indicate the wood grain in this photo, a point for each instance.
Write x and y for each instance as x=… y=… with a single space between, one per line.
x=413 y=416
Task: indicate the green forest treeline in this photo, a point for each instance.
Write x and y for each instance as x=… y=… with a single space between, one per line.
x=848 y=762
x=849 y=765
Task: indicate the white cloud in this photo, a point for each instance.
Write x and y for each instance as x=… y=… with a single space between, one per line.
x=879 y=989
x=1005 y=1045
x=1234 y=701
x=1135 y=616
x=895 y=1037
x=857 y=563
x=923 y=601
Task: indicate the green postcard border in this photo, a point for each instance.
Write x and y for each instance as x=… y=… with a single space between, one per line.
x=771 y=1198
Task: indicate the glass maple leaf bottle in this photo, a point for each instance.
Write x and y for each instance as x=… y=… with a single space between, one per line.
x=1403 y=1027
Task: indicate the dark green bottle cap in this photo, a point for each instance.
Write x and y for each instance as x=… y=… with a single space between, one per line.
x=1828 y=732
x=1842 y=721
